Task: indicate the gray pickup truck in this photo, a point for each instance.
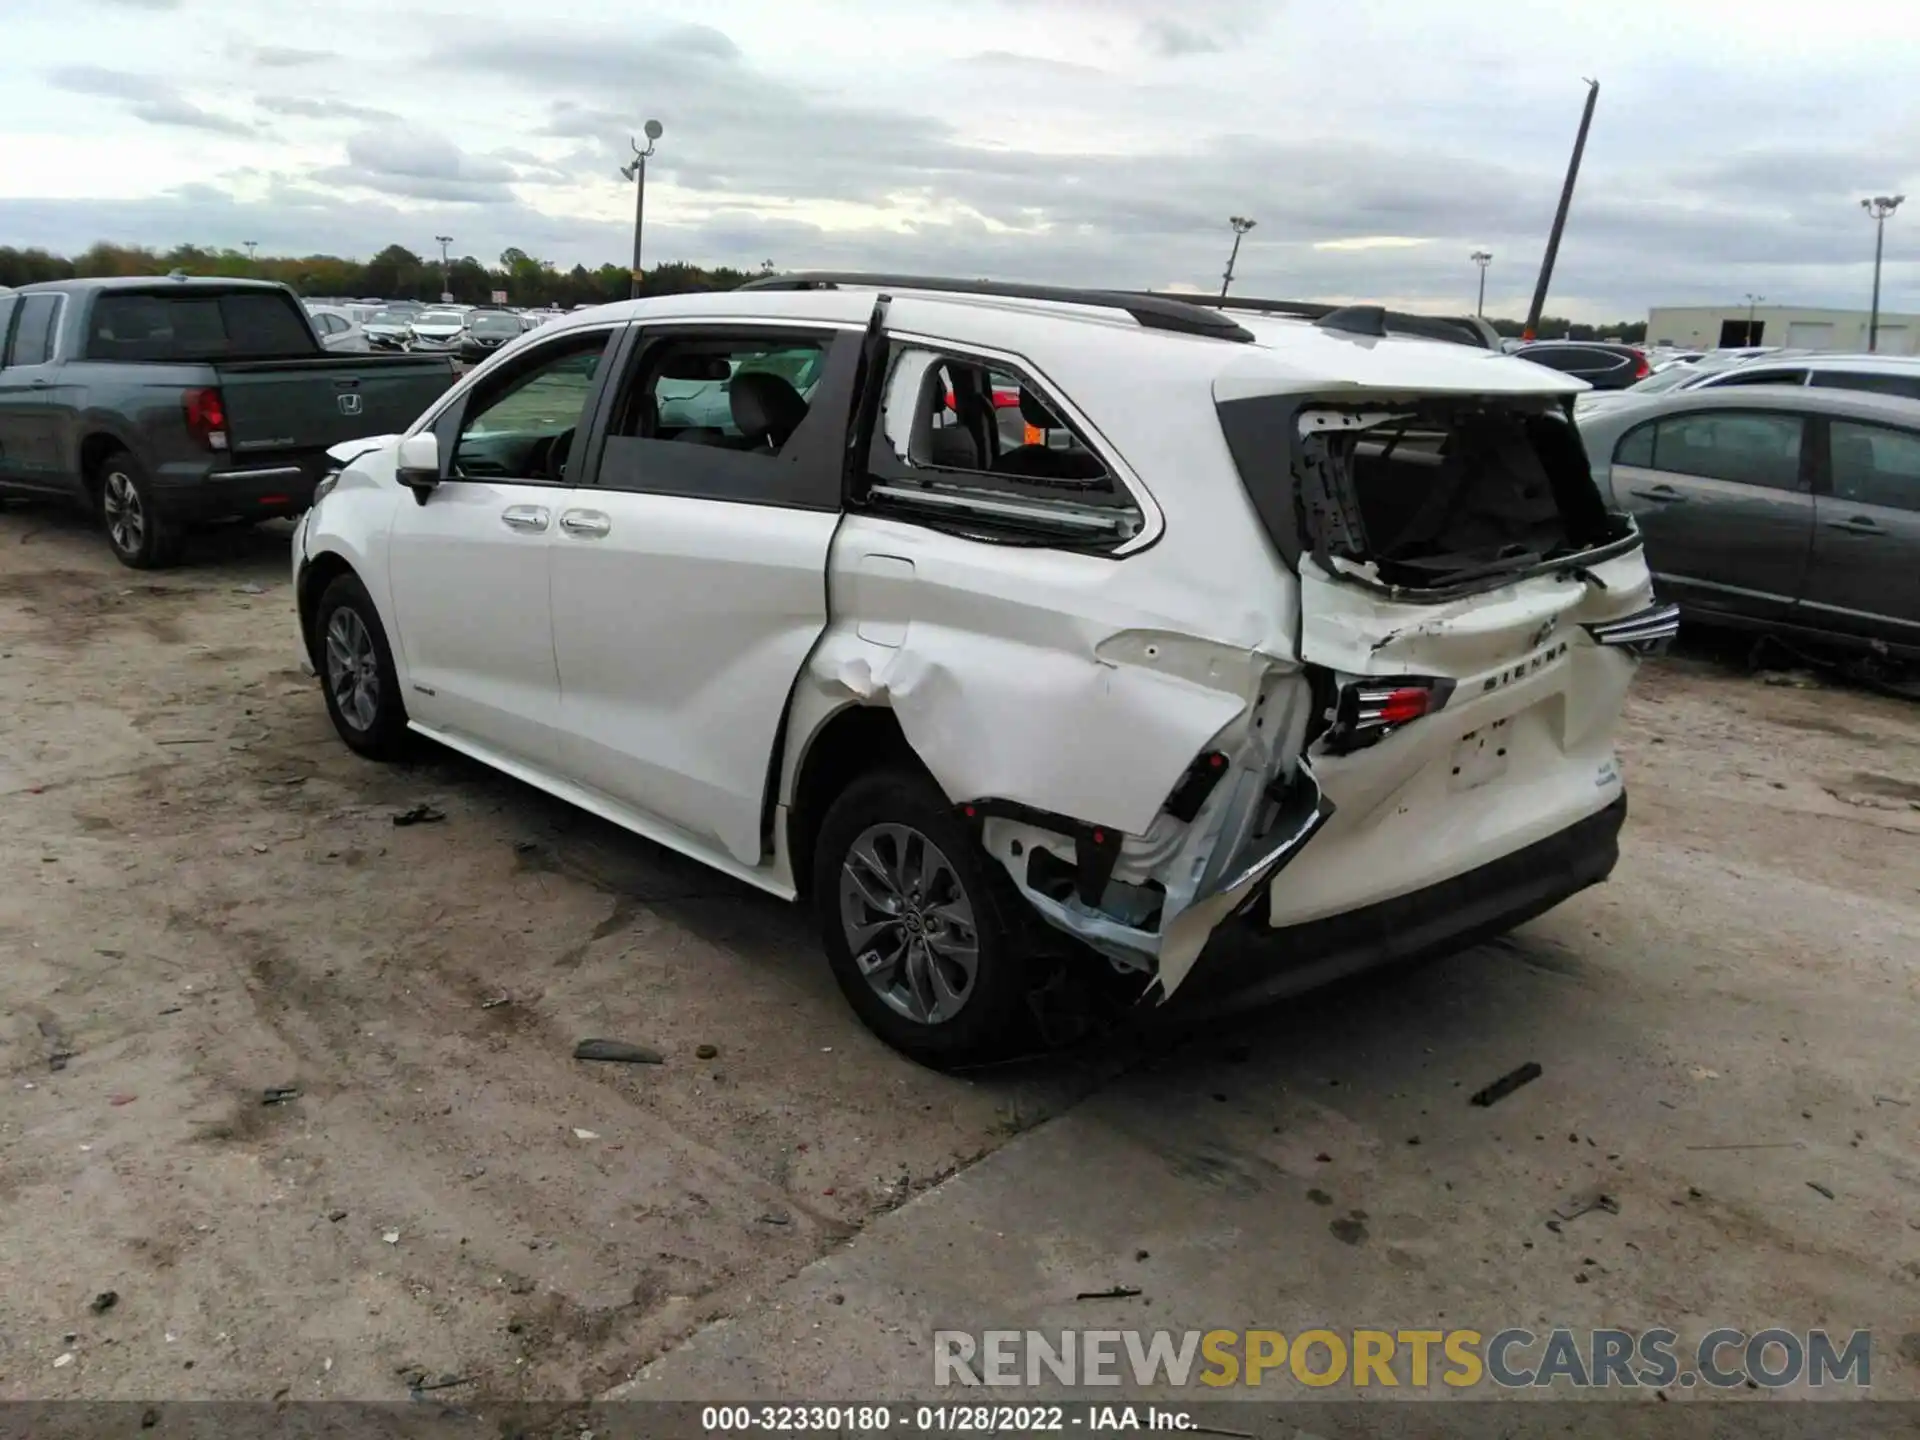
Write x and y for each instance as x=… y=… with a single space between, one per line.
x=165 y=403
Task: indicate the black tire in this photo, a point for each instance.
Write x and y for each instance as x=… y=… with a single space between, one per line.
x=371 y=719
x=140 y=536
x=990 y=1016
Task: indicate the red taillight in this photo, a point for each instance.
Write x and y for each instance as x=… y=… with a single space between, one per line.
x=1394 y=707
x=1640 y=367
x=1006 y=399
x=206 y=417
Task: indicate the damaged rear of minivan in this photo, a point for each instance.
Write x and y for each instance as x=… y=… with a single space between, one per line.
x=1470 y=615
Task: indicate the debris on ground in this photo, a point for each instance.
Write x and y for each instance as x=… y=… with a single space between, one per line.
x=1755 y=1145
x=619 y=1052
x=63 y=1360
x=252 y=587
x=392 y=1237
x=776 y=1219
x=104 y=1301
x=496 y=1002
x=1494 y=1093
x=420 y=815
x=1585 y=1203
x=1118 y=1292
x=580 y=1134
x=336 y=1216
x=419 y=1387
x=279 y=1094
x=1817 y=1186
x=1796 y=679
x=705 y=1052
x=118 y=1100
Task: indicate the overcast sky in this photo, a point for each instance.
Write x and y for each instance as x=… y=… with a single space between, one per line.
x=1375 y=142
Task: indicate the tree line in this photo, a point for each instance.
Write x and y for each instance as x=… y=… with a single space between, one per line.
x=396 y=273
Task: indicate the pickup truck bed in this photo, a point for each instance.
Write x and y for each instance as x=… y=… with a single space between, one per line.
x=176 y=402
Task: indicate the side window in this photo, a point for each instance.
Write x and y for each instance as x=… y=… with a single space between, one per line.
x=1636 y=447
x=1873 y=465
x=752 y=416
x=1742 y=446
x=7 y=306
x=1557 y=359
x=949 y=445
x=1880 y=384
x=34 y=331
x=521 y=424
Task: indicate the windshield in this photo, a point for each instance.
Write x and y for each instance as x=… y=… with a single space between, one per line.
x=497 y=324
x=1669 y=379
x=390 y=317
x=440 y=317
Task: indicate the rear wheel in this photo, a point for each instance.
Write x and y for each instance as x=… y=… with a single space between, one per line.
x=356 y=671
x=916 y=923
x=139 y=536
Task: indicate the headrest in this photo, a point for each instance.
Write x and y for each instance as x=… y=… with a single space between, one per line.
x=1035 y=412
x=766 y=407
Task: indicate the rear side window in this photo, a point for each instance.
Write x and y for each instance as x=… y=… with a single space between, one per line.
x=1880 y=384
x=1746 y=447
x=34 y=330
x=1757 y=377
x=989 y=450
x=1569 y=360
x=197 y=325
x=1875 y=465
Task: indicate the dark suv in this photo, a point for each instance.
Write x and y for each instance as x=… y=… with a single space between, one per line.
x=1602 y=365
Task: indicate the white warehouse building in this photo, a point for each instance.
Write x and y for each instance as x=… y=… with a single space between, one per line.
x=1705 y=326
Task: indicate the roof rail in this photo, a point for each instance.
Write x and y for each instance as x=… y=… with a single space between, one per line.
x=1455 y=329
x=1152 y=312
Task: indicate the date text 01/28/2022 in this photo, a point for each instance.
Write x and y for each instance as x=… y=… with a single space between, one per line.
x=938 y=1419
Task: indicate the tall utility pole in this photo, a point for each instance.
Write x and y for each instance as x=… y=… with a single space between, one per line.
x=1241 y=225
x=446 y=275
x=1560 y=215
x=1482 y=258
x=252 y=245
x=1752 y=301
x=1878 y=209
x=636 y=171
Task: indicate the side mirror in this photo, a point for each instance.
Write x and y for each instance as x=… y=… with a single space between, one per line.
x=417 y=466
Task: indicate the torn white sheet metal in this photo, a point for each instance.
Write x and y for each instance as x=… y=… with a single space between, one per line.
x=1358 y=632
x=1102 y=738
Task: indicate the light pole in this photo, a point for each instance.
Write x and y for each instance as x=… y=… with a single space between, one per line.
x=636 y=171
x=446 y=275
x=1878 y=209
x=1241 y=225
x=252 y=245
x=1752 y=300
x=1482 y=258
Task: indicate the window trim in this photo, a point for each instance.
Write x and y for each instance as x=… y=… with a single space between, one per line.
x=452 y=416
x=818 y=488
x=1153 y=521
x=56 y=325
x=455 y=396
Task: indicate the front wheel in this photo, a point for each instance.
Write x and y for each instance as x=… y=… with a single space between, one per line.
x=915 y=923
x=356 y=671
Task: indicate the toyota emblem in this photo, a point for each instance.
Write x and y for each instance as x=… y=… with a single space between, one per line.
x=349 y=404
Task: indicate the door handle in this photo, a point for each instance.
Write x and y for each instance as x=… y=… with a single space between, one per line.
x=1665 y=494
x=525 y=517
x=585 y=524
x=39 y=384
x=1858 y=524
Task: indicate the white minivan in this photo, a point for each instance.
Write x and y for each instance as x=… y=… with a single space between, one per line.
x=1292 y=624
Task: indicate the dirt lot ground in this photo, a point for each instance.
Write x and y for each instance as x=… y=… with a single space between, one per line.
x=203 y=897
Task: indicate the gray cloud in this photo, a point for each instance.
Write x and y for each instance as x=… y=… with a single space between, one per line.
x=146 y=4
x=1172 y=39
x=313 y=108
x=175 y=111
x=111 y=84
x=286 y=56
x=418 y=164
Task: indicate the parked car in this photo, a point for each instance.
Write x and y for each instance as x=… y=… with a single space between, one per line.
x=1879 y=374
x=338 y=331
x=1216 y=655
x=390 y=329
x=1793 y=509
x=163 y=403
x=1603 y=366
x=437 y=330
x=486 y=332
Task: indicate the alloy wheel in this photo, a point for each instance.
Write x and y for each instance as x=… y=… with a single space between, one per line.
x=125 y=516
x=353 y=668
x=909 y=923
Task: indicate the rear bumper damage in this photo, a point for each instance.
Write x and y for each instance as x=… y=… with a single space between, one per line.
x=1253 y=964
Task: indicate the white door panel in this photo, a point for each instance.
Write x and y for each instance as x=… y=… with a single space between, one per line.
x=468 y=572
x=679 y=626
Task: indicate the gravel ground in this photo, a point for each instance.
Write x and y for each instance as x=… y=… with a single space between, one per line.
x=204 y=899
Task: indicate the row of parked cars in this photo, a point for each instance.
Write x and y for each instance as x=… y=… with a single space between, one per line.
x=471 y=332
x=1314 y=620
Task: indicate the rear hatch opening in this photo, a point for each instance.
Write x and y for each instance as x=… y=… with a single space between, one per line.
x=1423 y=498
